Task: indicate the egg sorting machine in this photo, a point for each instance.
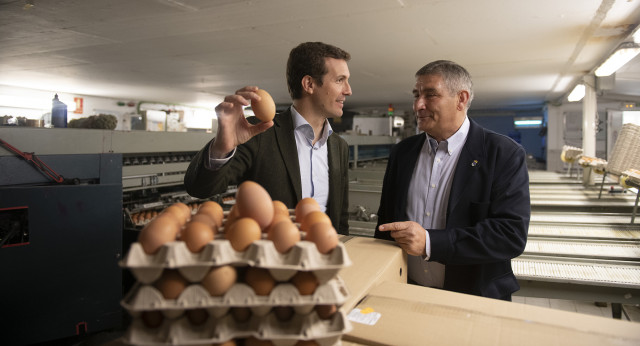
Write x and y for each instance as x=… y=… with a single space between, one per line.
x=60 y=273
x=59 y=246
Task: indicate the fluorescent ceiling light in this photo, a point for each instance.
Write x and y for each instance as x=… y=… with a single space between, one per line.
x=528 y=122
x=577 y=93
x=623 y=55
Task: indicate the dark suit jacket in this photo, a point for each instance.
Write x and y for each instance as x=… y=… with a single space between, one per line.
x=271 y=160
x=487 y=214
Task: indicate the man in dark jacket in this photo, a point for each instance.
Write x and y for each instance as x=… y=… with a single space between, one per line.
x=296 y=155
x=456 y=197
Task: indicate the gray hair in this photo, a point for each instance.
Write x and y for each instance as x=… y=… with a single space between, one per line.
x=456 y=78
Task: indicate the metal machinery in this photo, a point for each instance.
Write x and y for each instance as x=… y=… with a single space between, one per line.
x=61 y=242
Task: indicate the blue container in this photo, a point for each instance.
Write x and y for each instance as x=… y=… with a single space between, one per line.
x=58 y=113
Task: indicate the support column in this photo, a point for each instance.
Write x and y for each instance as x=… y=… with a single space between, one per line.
x=589 y=110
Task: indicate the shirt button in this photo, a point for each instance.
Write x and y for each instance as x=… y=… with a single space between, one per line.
x=437 y=160
x=433 y=185
x=428 y=213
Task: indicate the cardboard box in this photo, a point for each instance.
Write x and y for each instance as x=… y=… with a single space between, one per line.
x=415 y=315
x=373 y=261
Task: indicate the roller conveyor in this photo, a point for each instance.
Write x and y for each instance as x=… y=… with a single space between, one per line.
x=585 y=231
x=597 y=249
x=579 y=218
x=578 y=279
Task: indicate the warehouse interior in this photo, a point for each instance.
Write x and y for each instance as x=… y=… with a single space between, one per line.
x=73 y=200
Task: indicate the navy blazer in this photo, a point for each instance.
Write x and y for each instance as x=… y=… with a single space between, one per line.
x=487 y=214
x=271 y=160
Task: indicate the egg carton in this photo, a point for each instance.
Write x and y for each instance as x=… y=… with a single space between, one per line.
x=195 y=296
x=180 y=331
x=304 y=256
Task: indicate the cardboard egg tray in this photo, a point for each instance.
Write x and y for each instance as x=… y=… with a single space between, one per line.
x=195 y=296
x=179 y=331
x=304 y=256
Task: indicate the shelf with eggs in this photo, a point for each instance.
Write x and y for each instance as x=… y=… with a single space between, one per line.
x=268 y=242
x=256 y=232
x=280 y=326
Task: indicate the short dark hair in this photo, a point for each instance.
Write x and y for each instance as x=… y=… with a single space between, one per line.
x=308 y=59
x=456 y=78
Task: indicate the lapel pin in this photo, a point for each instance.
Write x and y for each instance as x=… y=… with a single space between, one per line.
x=474 y=163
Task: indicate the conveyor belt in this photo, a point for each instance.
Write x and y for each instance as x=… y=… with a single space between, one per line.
x=588 y=272
x=585 y=231
x=580 y=218
x=600 y=249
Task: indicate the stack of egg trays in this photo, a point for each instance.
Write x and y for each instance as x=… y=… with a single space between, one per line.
x=221 y=326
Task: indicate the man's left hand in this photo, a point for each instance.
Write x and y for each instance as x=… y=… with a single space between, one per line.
x=409 y=235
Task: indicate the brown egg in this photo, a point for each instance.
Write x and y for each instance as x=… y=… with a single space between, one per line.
x=284 y=236
x=181 y=211
x=240 y=314
x=196 y=235
x=312 y=218
x=280 y=208
x=152 y=319
x=206 y=219
x=325 y=312
x=232 y=216
x=283 y=313
x=306 y=343
x=305 y=282
x=253 y=201
x=219 y=280
x=226 y=343
x=161 y=230
x=214 y=210
x=324 y=236
x=197 y=316
x=253 y=341
x=277 y=218
x=305 y=206
x=260 y=280
x=171 y=284
x=265 y=109
x=242 y=233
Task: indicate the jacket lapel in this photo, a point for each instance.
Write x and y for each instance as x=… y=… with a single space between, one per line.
x=287 y=144
x=471 y=158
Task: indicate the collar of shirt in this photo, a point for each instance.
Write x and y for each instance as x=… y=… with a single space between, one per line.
x=301 y=125
x=455 y=142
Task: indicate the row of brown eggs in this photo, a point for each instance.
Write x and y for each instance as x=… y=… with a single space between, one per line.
x=253 y=214
x=145 y=216
x=220 y=279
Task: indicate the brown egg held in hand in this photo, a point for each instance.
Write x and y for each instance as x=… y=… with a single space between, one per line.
x=260 y=280
x=265 y=109
x=171 y=284
x=313 y=218
x=324 y=236
x=212 y=209
x=196 y=235
x=219 y=280
x=305 y=206
x=305 y=282
x=161 y=230
x=284 y=236
x=242 y=233
x=253 y=201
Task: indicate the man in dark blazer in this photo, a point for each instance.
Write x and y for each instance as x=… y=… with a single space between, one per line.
x=268 y=153
x=474 y=215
